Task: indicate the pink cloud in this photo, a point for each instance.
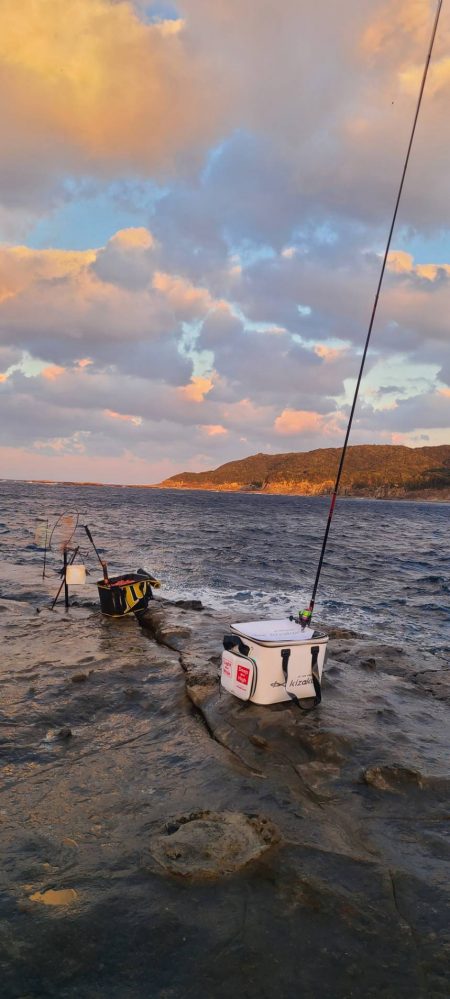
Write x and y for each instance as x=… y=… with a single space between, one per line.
x=214 y=429
x=183 y=296
x=296 y=421
x=53 y=371
x=299 y=421
x=197 y=389
x=401 y=262
x=137 y=420
x=133 y=238
x=328 y=353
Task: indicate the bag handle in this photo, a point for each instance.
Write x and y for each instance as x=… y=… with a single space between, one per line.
x=231 y=642
x=285 y=656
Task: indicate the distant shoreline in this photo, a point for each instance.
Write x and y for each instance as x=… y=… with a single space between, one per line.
x=427 y=495
x=421 y=496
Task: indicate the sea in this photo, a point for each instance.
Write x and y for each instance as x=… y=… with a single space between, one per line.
x=386 y=571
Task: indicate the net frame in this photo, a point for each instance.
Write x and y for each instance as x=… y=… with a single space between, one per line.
x=63 y=531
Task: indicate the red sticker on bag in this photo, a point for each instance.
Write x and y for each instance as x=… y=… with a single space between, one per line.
x=243 y=674
x=227 y=667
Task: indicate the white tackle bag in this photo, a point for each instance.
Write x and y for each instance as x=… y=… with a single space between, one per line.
x=271 y=661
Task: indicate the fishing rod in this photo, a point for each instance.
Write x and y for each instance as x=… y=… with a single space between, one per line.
x=304 y=616
x=102 y=563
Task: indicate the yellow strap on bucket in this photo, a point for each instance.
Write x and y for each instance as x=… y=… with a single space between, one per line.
x=130 y=593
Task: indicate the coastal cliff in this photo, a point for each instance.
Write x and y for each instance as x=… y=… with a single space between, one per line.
x=378 y=470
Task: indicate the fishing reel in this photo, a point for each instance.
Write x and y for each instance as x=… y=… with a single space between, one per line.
x=303 y=619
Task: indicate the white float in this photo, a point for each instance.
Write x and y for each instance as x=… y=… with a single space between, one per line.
x=75 y=575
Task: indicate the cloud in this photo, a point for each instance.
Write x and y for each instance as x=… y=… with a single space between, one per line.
x=66 y=308
x=97 y=89
x=401 y=262
x=8 y=357
x=296 y=422
x=328 y=353
x=275 y=367
x=108 y=92
x=228 y=312
x=183 y=297
x=109 y=357
x=128 y=259
x=336 y=97
x=214 y=429
x=52 y=371
x=425 y=411
x=197 y=389
x=136 y=420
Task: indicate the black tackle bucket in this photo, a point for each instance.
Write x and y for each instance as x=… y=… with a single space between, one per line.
x=125 y=594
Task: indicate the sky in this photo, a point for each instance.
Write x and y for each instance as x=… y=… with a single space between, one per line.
x=194 y=202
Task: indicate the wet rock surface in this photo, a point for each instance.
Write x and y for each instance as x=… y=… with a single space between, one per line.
x=212 y=844
x=180 y=842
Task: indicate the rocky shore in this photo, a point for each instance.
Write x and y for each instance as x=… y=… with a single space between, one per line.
x=163 y=839
x=294 y=488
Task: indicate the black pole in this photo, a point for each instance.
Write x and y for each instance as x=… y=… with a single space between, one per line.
x=63 y=581
x=45 y=549
x=102 y=563
x=66 y=588
x=305 y=616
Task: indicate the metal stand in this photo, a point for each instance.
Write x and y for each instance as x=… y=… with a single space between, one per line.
x=66 y=588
